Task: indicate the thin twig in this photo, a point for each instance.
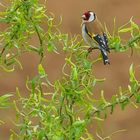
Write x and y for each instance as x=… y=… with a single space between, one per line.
x=117 y=102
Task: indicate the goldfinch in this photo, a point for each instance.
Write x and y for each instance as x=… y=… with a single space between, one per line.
x=93 y=34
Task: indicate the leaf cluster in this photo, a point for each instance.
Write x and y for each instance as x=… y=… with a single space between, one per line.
x=61 y=110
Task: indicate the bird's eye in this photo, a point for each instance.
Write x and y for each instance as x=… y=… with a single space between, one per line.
x=94 y=16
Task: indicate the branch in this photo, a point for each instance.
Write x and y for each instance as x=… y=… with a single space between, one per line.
x=129 y=43
x=110 y=105
x=39 y=37
x=119 y=101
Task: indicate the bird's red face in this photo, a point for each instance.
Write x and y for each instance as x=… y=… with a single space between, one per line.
x=88 y=16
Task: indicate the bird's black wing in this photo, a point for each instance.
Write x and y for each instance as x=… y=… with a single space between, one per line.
x=102 y=47
x=106 y=41
x=100 y=41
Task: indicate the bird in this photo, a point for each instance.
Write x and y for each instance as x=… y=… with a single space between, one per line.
x=94 y=35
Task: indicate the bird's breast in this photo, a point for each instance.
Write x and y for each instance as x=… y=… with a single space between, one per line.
x=85 y=35
x=88 y=40
x=84 y=30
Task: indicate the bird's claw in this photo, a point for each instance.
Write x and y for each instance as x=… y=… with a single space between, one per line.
x=90 y=50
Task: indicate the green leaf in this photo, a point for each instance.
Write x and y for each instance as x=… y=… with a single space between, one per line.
x=79 y=123
x=87 y=64
x=74 y=74
x=103 y=98
x=41 y=70
x=124 y=30
x=131 y=71
x=134 y=25
x=4 y=100
x=98 y=119
x=132 y=74
x=32 y=48
x=77 y=129
x=41 y=135
x=137 y=96
x=124 y=104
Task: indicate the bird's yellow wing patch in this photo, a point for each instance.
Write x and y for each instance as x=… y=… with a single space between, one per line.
x=92 y=35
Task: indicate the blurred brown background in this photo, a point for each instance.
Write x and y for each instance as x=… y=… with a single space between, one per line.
x=116 y=74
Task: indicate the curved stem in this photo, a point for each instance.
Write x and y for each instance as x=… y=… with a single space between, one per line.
x=119 y=101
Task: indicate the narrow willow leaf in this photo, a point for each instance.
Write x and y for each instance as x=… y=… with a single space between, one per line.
x=98 y=119
x=7 y=70
x=2 y=122
x=103 y=98
x=134 y=25
x=129 y=88
x=74 y=74
x=125 y=30
x=134 y=104
x=32 y=48
x=41 y=70
x=137 y=96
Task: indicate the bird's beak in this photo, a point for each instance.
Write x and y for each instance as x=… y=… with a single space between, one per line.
x=83 y=17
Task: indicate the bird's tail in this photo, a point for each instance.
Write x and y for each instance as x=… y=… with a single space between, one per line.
x=105 y=57
x=106 y=42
